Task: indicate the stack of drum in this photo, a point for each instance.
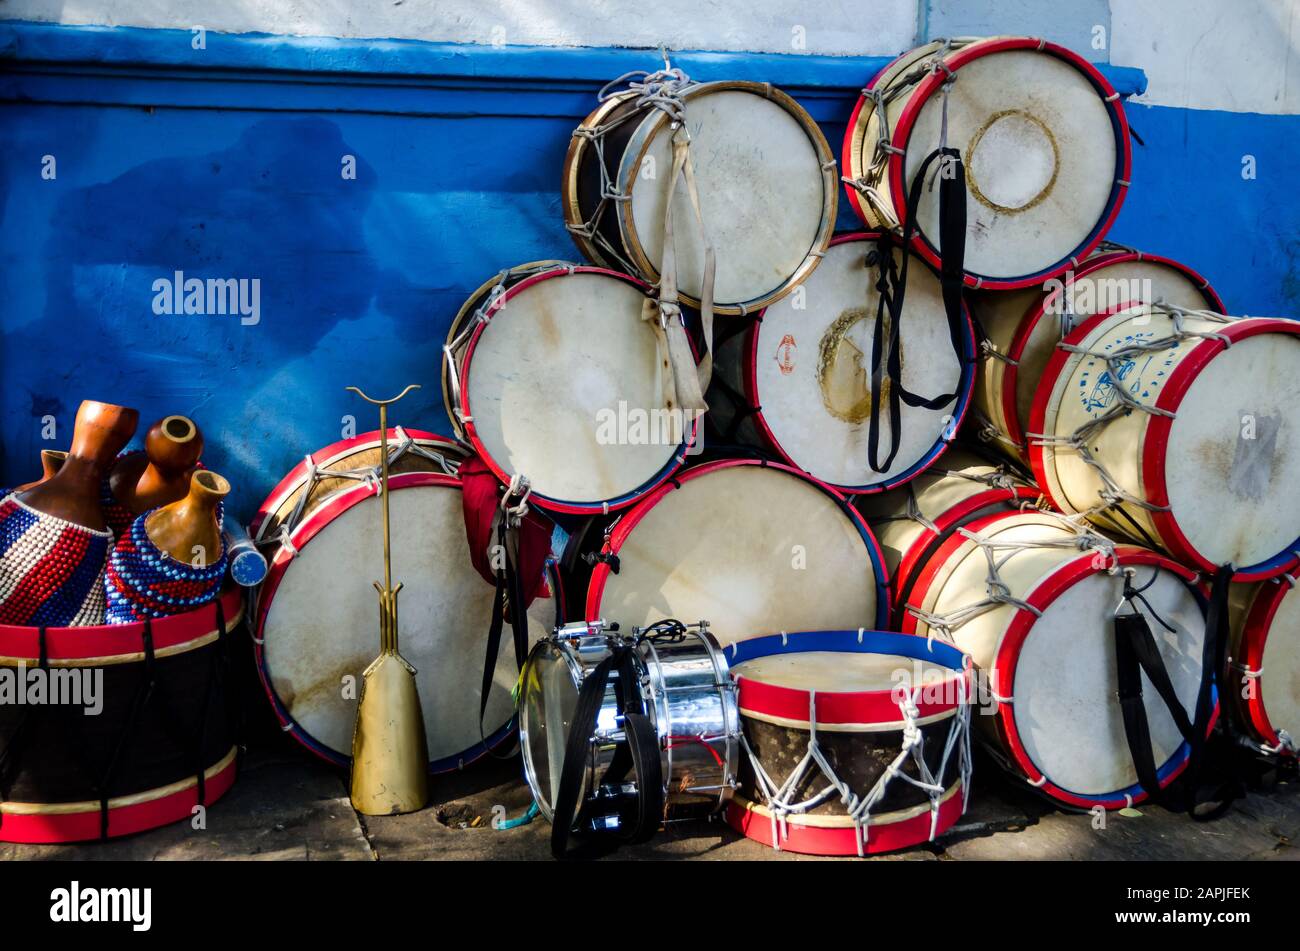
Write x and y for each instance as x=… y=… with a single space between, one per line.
x=1119 y=487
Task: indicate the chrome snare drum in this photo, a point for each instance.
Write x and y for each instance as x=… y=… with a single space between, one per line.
x=685 y=697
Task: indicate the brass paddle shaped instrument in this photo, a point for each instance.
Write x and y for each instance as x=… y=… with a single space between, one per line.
x=390 y=758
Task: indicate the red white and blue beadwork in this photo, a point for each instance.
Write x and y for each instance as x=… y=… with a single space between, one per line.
x=51 y=570
x=143 y=581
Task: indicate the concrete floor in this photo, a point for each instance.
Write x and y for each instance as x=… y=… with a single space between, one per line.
x=288 y=805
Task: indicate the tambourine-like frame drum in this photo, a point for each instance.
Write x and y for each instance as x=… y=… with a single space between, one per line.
x=1264 y=664
x=1049 y=608
x=546 y=378
x=803 y=369
x=854 y=742
x=1044 y=116
x=742 y=225
x=1023 y=327
x=689 y=696
x=148 y=757
x=1178 y=429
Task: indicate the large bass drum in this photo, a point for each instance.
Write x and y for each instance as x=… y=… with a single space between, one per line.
x=1033 y=600
x=1263 y=674
x=1023 y=327
x=317 y=620
x=766 y=181
x=560 y=379
x=1179 y=429
x=798 y=380
x=752 y=547
x=1042 y=136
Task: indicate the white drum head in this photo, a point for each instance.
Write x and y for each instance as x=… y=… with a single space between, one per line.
x=1280 y=682
x=762 y=192
x=564 y=385
x=1041 y=161
x=812 y=370
x=751 y=549
x=322 y=622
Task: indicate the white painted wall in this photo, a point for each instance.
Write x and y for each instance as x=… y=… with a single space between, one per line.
x=831 y=27
x=1234 y=55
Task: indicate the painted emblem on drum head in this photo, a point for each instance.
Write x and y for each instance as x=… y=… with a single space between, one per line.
x=1140 y=375
x=786 y=351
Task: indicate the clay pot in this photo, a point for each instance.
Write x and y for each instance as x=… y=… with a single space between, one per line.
x=161 y=474
x=72 y=493
x=51 y=460
x=194 y=520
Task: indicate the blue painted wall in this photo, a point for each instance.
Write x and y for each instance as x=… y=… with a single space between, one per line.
x=225 y=163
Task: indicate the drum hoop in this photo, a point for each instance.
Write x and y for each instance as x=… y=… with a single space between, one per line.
x=1119 y=123
x=1157 y=432
x=965 y=393
x=573 y=160
x=302 y=534
x=639 y=144
x=298 y=475
x=105 y=645
x=629 y=520
x=864 y=709
x=1029 y=322
x=675 y=461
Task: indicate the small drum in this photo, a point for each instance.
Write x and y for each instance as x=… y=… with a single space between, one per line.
x=803 y=373
x=765 y=176
x=560 y=380
x=913 y=521
x=761 y=545
x=1179 y=429
x=1042 y=136
x=688 y=696
x=854 y=742
x=1033 y=601
x=317 y=623
x=147 y=741
x=1263 y=673
x=1023 y=327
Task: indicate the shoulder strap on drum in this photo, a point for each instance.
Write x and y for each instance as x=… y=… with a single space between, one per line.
x=1136 y=653
x=886 y=356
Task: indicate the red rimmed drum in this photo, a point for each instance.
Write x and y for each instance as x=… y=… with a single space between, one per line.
x=1180 y=430
x=562 y=380
x=798 y=380
x=753 y=548
x=889 y=718
x=1263 y=674
x=765 y=177
x=912 y=522
x=97 y=755
x=1022 y=328
x=317 y=618
x=1042 y=136
x=1040 y=629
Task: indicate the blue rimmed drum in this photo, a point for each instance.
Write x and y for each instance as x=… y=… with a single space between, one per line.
x=853 y=742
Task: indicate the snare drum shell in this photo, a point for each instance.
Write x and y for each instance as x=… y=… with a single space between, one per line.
x=1264 y=662
x=56 y=753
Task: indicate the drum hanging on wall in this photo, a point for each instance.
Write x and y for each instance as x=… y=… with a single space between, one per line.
x=1042 y=137
x=767 y=187
x=752 y=548
x=562 y=380
x=316 y=620
x=1022 y=328
x=911 y=522
x=110 y=758
x=891 y=717
x=1177 y=430
x=1263 y=674
x=799 y=380
x=1040 y=628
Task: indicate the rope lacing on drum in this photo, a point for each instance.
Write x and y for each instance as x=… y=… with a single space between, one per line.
x=1284 y=744
x=997 y=554
x=986 y=432
x=1111 y=494
x=514 y=501
x=780 y=800
x=989 y=349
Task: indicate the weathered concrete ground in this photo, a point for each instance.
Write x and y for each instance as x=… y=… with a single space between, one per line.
x=287 y=805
